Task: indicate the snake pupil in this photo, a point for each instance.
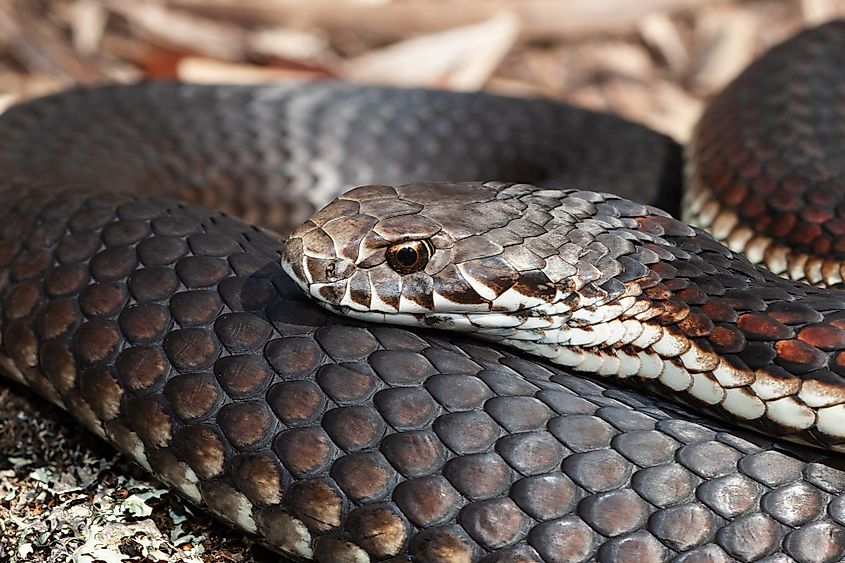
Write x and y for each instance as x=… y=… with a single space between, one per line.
x=408 y=257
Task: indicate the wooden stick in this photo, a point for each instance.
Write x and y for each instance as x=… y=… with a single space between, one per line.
x=540 y=19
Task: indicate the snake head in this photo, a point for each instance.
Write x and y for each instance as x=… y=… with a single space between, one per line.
x=456 y=255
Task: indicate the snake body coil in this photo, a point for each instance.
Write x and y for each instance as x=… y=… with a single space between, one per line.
x=171 y=330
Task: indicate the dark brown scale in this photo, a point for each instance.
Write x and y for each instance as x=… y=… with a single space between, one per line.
x=160 y=251
x=56 y=318
x=305 y=452
x=243 y=375
x=379 y=529
x=242 y=332
x=415 y=453
x=260 y=478
x=192 y=396
x=354 y=428
x=297 y=403
x=298 y=357
x=150 y=420
x=366 y=477
x=406 y=408
x=153 y=284
x=247 y=424
x=479 y=476
x=317 y=502
x=113 y=264
x=201 y=271
x=201 y=447
x=141 y=367
x=144 y=323
x=102 y=299
x=428 y=501
x=191 y=349
x=124 y=233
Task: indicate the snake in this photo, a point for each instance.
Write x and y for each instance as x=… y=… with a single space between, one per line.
x=501 y=346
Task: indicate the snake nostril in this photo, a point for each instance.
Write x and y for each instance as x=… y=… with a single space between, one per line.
x=330 y=270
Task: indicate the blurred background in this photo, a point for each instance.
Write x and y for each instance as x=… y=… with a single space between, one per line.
x=65 y=495
x=651 y=60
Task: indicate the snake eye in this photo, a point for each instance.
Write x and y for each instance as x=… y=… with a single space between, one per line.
x=408 y=257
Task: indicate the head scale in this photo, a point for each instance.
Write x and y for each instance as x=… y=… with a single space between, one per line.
x=487 y=257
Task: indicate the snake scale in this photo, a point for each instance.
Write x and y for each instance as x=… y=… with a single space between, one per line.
x=132 y=297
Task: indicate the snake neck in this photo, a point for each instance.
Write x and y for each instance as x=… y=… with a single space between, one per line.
x=594 y=283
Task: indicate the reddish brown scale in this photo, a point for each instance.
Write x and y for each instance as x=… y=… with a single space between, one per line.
x=760 y=326
x=696 y=324
x=727 y=339
x=693 y=295
x=657 y=292
x=672 y=311
x=718 y=311
x=676 y=284
x=793 y=313
x=823 y=337
x=799 y=357
x=796 y=160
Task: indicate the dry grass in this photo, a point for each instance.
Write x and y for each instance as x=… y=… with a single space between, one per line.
x=63 y=494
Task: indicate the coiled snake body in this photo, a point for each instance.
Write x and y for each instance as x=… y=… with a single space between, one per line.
x=172 y=330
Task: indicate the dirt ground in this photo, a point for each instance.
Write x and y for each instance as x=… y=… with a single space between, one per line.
x=64 y=495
